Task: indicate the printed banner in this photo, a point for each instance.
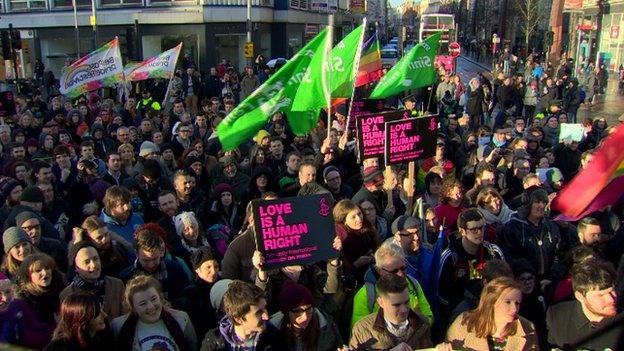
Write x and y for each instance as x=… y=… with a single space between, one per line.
x=294 y=230
x=410 y=139
x=361 y=107
x=357 y=6
x=371 y=130
x=100 y=68
x=159 y=66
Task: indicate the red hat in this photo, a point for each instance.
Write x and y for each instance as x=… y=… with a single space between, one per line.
x=294 y=295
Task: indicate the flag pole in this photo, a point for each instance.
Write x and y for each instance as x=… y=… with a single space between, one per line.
x=328 y=69
x=356 y=69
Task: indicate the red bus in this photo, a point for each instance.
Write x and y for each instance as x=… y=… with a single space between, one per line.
x=432 y=23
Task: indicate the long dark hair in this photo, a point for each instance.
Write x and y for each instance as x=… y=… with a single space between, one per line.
x=77 y=310
x=309 y=335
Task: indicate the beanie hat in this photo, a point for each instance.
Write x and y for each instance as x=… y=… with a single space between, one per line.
x=147 y=147
x=13 y=236
x=220 y=188
x=202 y=255
x=217 y=291
x=533 y=194
x=403 y=223
x=32 y=142
x=260 y=136
x=227 y=160
x=521 y=265
x=188 y=162
x=23 y=217
x=372 y=176
x=329 y=169
x=32 y=194
x=73 y=250
x=294 y=295
x=7 y=185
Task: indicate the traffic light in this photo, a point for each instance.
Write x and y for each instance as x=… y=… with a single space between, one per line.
x=6 y=44
x=16 y=40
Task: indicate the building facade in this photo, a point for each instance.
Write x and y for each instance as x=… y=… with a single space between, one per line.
x=210 y=30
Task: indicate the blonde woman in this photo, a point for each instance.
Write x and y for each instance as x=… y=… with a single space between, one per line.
x=128 y=159
x=495 y=324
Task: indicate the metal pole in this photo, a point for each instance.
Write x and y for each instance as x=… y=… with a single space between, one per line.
x=94 y=23
x=249 y=28
x=77 y=32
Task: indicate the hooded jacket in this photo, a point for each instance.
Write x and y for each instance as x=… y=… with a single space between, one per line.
x=221 y=339
x=329 y=338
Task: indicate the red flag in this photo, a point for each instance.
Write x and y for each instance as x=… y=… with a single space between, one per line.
x=598 y=185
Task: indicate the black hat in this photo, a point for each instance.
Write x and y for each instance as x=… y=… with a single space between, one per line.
x=403 y=223
x=32 y=194
x=202 y=255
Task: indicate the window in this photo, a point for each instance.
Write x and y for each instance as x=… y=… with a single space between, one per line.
x=20 y=5
x=68 y=3
x=120 y=2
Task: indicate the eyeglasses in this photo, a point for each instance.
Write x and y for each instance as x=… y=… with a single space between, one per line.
x=396 y=270
x=475 y=229
x=301 y=310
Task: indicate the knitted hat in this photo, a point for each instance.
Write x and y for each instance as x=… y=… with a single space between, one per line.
x=372 y=176
x=217 y=291
x=220 y=188
x=227 y=160
x=520 y=266
x=32 y=194
x=260 y=136
x=202 y=255
x=32 y=142
x=188 y=162
x=329 y=169
x=533 y=194
x=403 y=223
x=294 y=295
x=23 y=217
x=147 y=147
x=73 y=250
x=13 y=236
x=7 y=185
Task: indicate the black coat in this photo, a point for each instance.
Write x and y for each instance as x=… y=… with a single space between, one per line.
x=475 y=102
x=567 y=326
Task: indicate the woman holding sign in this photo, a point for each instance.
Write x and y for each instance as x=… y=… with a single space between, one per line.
x=359 y=239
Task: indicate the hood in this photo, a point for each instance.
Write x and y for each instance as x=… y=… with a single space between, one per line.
x=226 y=328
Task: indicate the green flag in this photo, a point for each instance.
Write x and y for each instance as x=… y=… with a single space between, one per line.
x=414 y=70
x=274 y=95
x=339 y=68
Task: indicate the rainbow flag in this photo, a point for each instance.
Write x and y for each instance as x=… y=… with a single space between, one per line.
x=596 y=186
x=370 y=62
x=100 y=68
x=159 y=66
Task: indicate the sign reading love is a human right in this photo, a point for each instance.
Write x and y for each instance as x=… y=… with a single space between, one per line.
x=410 y=139
x=371 y=132
x=294 y=230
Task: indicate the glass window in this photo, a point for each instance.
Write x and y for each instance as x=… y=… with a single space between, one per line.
x=17 y=5
x=68 y=3
x=120 y=2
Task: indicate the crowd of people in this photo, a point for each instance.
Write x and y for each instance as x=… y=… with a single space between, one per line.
x=127 y=226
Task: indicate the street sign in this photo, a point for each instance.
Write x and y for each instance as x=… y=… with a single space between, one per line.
x=249 y=49
x=454 y=49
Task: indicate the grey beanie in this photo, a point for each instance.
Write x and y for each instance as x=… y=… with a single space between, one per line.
x=13 y=236
x=217 y=291
x=23 y=217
